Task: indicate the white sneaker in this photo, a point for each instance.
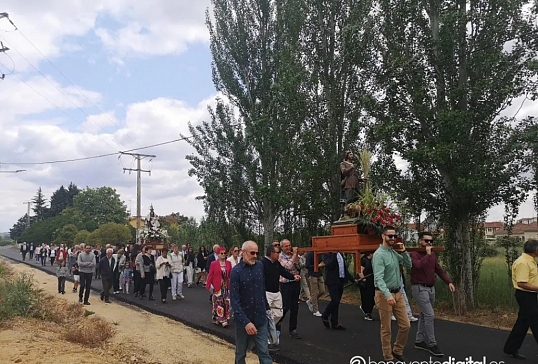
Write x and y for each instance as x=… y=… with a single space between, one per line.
x=413 y=319
x=174 y=298
x=181 y=297
x=393 y=318
x=317 y=313
x=309 y=304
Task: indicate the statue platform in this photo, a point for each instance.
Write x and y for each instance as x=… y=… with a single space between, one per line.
x=347 y=237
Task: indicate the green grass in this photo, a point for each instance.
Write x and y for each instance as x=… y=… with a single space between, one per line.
x=494 y=289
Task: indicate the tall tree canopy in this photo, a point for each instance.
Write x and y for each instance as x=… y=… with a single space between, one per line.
x=247 y=163
x=39 y=205
x=100 y=206
x=447 y=69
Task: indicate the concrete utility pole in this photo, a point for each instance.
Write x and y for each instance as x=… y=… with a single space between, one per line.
x=138 y=170
x=29 y=203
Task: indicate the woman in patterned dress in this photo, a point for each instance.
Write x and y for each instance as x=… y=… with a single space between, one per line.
x=218 y=279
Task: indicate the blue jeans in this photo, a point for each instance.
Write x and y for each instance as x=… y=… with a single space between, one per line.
x=260 y=339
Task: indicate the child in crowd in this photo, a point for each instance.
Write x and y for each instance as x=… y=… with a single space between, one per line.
x=126 y=277
x=61 y=273
x=76 y=275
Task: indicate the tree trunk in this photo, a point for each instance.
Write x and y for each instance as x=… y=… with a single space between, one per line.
x=268 y=227
x=466 y=287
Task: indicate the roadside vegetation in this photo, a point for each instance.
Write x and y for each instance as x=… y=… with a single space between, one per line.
x=19 y=298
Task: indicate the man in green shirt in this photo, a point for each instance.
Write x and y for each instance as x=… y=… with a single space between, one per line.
x=389 y=300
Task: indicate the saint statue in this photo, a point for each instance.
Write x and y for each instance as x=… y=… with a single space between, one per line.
x=349 y=181
x=152 y=220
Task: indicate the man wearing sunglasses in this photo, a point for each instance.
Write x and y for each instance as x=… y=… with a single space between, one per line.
x=249 y=305
x=388 y=296
x=423 y=271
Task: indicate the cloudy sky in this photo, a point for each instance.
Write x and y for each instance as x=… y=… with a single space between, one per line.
x=85 y=78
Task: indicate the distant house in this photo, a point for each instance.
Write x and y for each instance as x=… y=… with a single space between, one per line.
x=521 y=230
x=491 y=229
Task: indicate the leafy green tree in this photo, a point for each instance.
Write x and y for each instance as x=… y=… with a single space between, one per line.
x=39 y=206
x=66 y=235
x=19 y=227
x=43 y=231
x=80 y=237
x=446 y=71
x=58 y=201
x=335 y=42
x=99 y=206
x=112 y=233
x=245 y=163
x=72 y=191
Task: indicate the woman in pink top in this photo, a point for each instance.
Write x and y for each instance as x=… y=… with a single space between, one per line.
x=219 y=279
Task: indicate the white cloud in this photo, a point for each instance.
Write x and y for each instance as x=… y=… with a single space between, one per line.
x=38 y=94
x=145 y=27
x=95 y=123
x=169 y=188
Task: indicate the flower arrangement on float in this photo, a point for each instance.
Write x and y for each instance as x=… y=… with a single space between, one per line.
x=372 y=212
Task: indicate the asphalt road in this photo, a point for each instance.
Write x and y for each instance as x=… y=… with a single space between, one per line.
x=459 y=341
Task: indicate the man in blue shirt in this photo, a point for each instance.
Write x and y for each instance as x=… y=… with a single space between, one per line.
x=249 y=305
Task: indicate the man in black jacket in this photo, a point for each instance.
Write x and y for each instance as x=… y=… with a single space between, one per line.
x=106 y=267
x=336 y=274
x=272 y=272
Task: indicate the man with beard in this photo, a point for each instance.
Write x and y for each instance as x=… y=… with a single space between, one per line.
x=249 y=305
x=425 y=268
x=388 y=297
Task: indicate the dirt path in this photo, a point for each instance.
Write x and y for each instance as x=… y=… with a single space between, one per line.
x=141 y=337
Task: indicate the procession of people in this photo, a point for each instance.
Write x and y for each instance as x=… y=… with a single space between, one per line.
x=261 y=293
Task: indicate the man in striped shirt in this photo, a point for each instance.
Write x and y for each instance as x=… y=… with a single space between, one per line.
x=290 y=289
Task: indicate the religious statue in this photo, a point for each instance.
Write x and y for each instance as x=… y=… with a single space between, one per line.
x=152 y=220
x=349 y=181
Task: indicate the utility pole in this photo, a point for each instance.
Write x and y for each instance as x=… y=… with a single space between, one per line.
x=138 y=170
x=29 y=203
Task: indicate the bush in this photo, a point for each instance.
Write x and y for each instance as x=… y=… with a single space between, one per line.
x=17 y=296
x=90 y=332
x=490 y=251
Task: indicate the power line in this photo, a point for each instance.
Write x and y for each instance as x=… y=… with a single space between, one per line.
x=97 y=156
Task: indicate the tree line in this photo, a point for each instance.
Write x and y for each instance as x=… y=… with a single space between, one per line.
x=421 y=84
x=74 y=216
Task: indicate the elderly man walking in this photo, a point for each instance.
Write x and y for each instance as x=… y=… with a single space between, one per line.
x=249 y=305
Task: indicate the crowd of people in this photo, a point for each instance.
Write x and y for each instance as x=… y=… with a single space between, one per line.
x=260 y=292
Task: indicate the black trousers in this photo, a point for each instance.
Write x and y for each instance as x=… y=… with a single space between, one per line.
x=367 y=295
x=331 y=311
x=116 y=280
x=148 y=279
x=85 y=286
x=137 y=281
x=527 y=317
x=23 y=256
x=107 y=284
x=163 y=286
x=31 y=254
x=290 y=302
x=61 y=284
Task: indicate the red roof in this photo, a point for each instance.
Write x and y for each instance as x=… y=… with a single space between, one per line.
x=520 y=228
x=494 y=224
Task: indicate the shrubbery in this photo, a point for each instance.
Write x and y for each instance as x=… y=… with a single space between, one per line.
x=17 y=294
x=20 y=298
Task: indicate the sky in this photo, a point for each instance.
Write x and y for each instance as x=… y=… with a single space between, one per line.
x=86 y=78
